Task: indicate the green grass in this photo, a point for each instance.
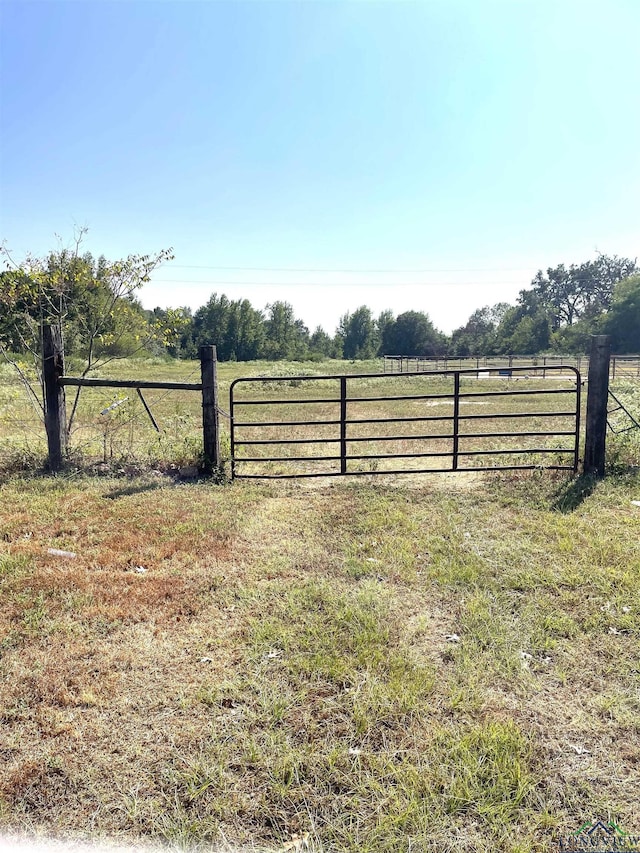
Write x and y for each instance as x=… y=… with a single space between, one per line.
x=474 y=687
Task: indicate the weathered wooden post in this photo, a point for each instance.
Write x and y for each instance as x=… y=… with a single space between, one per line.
x=55 y=412
x=208 y=370
x=597 y=404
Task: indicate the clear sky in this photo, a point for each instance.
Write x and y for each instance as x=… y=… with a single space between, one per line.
x=406 y=155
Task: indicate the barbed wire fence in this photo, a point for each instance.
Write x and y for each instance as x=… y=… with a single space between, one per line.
x=112 y=428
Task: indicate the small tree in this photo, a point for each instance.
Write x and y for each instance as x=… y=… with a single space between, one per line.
x=478 y=335
x=525 y=327
x=384 y=322
x=92 y=302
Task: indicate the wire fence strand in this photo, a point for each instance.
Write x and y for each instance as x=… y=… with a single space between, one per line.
x=109 y=426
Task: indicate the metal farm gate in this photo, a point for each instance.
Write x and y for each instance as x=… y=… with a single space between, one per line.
x=450 y=420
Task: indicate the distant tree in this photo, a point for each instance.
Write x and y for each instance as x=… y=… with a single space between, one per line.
x=413 y=333
x=286 y=337
x=581 y=290
x=478 y=335
x=563 y=307
x=211 y=325
x=338 y=344
x=622 y=321
x=235 y=328
x=531 y=335
x=301 y=350
x=321 y=344
x=248 y=324
x=359 y=334
x=576 y=337
x=383 y=322
x=184 y=346
x=525 y=328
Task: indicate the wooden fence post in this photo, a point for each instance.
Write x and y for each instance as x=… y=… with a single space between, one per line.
x=55 y=412
x=208 y=370
x=597 y=404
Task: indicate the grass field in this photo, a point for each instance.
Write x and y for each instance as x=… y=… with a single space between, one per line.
x=429 y=663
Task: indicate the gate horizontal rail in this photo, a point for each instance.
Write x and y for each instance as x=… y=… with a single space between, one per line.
x=83 y=382
x=455 y=438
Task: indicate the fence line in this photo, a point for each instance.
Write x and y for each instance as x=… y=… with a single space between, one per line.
x=55 y=381
x=57 y=433
x=619 y=365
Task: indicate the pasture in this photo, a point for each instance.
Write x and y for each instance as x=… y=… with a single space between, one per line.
x=436 y=662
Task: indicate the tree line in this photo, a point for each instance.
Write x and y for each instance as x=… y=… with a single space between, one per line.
x=242 y=333
x=96 y=302
x=558 y=313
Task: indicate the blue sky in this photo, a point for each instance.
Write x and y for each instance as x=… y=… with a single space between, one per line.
x=406 y=155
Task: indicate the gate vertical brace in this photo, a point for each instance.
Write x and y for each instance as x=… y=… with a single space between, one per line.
x=456 y=418
x=576 y=452
x=55 y=413
x=597 y=402
x=211 y=432
x=343 y=424
x=232 y=435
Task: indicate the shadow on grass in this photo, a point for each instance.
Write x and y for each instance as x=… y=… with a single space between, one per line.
x=133 y=489
x=572 y=493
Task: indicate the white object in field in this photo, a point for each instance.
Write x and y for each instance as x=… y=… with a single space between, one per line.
x=114 y=406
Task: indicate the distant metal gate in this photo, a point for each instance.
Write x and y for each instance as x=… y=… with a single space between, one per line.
x=336 y=432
